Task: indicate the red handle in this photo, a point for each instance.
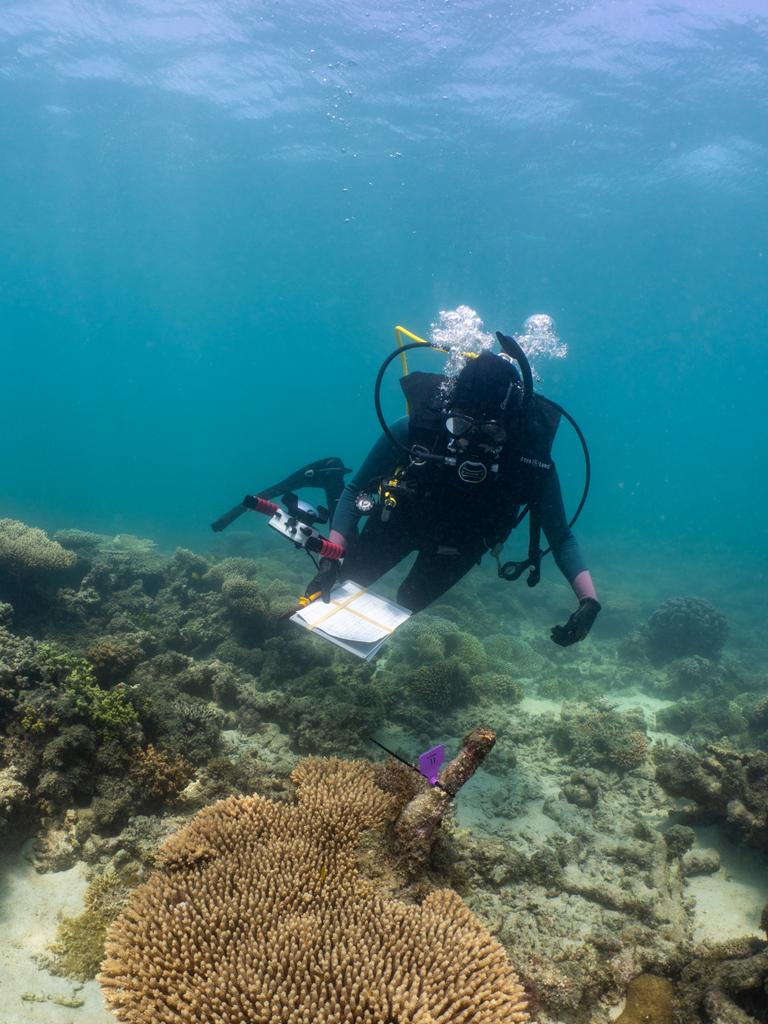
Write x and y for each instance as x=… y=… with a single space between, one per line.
x=267 y=508
x=327 y=549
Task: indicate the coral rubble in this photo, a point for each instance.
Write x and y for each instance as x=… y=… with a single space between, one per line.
x=724 y=785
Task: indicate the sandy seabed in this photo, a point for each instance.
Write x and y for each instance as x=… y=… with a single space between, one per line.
x=30 y=907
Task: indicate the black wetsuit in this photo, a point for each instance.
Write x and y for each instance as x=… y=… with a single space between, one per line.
x=450 y=535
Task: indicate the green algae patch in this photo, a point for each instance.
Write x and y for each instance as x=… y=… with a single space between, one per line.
x=649 y=1001
x=79 y=946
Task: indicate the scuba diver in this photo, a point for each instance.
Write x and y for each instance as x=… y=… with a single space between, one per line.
x=451 y=480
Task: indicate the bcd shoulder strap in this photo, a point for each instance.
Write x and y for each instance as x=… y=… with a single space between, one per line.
x=424 y=393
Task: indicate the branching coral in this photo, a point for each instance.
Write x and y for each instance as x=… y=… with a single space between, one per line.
x=258 y=914
x=501 y=686
x=110 y=711
x=114 y=657
x=160 y=775
x=244 y=602
x=444 y=684
x=601 y=736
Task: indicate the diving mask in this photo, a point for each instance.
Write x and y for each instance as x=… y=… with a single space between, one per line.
x=460 y=425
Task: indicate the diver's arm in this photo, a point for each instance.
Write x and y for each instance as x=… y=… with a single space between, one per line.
x=570 y=561
x=380 y=461
x=565 y=547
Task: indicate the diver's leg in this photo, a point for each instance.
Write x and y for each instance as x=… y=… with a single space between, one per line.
x=431 y=575
x=377 y=550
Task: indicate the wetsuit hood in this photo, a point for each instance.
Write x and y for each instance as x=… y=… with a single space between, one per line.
x=488 y=388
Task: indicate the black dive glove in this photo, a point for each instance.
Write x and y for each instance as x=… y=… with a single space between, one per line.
x=325 y=579
x=578 y=625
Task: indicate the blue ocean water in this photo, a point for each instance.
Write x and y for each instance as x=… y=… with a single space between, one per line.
x=214 y=213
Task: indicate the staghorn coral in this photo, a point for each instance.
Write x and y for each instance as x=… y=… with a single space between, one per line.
x=258 y=914
x=27 y=551
x=684 y=626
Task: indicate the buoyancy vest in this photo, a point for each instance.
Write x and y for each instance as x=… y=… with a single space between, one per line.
x=489 y=509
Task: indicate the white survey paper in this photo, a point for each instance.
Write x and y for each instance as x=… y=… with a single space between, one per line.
x=354 y=619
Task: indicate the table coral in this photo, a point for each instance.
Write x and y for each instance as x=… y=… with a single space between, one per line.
x=27 y=551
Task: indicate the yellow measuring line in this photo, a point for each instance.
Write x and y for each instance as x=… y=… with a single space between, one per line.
x=367 y=618
x=342 y=605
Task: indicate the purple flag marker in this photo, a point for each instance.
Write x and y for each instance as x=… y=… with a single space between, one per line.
x=430 y=762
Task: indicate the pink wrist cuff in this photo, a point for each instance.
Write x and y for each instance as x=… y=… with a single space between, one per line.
x=338 y=538
x=583 y=585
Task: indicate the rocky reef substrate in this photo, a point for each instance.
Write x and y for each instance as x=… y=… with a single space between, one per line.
x=137 y=687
